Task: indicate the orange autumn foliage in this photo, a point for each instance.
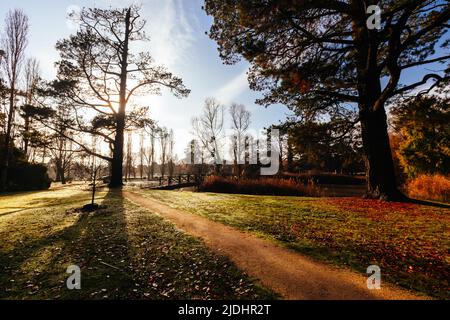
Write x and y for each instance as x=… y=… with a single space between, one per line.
x=263 y=186
x=430 y=187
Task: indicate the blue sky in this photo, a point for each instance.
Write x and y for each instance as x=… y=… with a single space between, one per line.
x=178 y=40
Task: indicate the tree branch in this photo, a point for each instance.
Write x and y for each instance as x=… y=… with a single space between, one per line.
x=425 y=79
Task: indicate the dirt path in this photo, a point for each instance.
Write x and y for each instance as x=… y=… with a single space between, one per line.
x=292 y=275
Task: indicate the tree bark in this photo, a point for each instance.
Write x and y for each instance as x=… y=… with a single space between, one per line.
x=380 y=173
x=117 y=161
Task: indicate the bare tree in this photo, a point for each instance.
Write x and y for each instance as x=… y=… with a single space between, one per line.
x=141 y=155
x=208 y=128
x=128 y=157
x=63 y=154
x=191 y=155
x=150 y=154
x=163 y=139
x=61 y=148
x=240 y=118
x=195 y=157
x=32 y=76
x=14 y=43
x=170 y=155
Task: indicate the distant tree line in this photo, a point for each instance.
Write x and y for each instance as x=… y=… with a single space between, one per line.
x=302 y=147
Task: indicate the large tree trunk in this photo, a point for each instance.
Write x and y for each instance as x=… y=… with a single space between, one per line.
x=380 y=174
x=117 y=162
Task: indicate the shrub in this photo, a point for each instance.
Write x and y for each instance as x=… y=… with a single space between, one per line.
x=23 y=176
x=263 y=186
x=328 y=178
x=430 y=187
x=28 y=177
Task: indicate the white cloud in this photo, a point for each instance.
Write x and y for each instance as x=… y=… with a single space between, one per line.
x=233 y=89
x=171 y=25
x=172 y=35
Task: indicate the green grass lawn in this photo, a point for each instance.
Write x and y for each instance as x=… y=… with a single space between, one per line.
x=124 y=252
x=409 y=242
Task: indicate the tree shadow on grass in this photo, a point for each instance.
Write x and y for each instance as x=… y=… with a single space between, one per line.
x=97 y=242
x=429 y=203
x=103 y=253
x=122 y=255
x=49 y=202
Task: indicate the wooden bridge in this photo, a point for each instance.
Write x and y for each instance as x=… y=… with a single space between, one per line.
x=168 y=182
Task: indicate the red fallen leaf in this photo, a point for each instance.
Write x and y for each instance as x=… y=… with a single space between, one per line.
x=378 y=209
